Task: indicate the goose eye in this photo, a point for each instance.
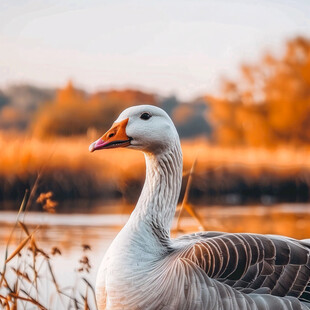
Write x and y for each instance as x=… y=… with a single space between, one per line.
x=145 y=116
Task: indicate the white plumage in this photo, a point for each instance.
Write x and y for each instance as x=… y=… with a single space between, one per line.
x=145 y=269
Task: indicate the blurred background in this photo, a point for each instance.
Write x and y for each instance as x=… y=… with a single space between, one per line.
x=233 y=76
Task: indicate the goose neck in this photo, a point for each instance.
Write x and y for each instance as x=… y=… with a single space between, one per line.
x=158 y=200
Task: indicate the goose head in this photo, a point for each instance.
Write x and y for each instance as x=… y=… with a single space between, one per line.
x=146 y=128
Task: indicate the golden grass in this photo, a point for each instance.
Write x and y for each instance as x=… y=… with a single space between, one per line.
x=21 y=154
x=70 y=171
x=281 y=158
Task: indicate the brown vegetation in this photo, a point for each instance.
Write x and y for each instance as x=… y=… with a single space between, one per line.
x=73 y=112
x=270 y=104
x=66 y=168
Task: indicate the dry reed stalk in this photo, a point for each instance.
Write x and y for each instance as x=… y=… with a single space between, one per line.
x=30 y=299
x=16 y=293
x=58 y=290
x=85 y=300
x=21 y=274
x=21 y=209
x=18 y=249
x=34 y=252
x=3 y=300
x=92 y=289
x=6 y=284
x=24 y=228
x=185 y=205
x=21 y=245
x=52 y=274
x=10 y=302
x=32 y=193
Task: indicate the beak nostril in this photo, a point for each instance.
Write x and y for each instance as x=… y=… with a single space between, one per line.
x=111 y=135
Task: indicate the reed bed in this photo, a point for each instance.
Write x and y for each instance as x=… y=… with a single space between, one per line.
x=21 y=154
x=27 y=278
x=68 y=169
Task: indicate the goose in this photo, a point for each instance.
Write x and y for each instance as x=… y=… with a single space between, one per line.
x=144 y=268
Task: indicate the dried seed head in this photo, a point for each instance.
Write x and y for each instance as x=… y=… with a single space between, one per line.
x=55 y=251
x=86 y=247
x=49 y=205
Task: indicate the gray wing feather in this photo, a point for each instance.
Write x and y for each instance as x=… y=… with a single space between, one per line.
x=253 y=264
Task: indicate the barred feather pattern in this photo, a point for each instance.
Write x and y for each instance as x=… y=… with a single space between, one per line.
x=145 y=269
x=251 y=271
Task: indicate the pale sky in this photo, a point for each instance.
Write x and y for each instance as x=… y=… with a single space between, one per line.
x=166 y=46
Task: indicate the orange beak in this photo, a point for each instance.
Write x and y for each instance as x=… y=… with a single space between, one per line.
x=113 y=138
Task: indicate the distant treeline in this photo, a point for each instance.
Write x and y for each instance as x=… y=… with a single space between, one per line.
x=72 y=111
x=268 y=105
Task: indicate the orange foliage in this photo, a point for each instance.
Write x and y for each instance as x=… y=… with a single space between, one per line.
x=64 y=115
x=73 y=112
x=271 y=102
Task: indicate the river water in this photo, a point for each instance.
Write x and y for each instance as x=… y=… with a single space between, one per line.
x=74 y=234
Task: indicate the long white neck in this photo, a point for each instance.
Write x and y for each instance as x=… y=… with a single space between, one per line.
x=158 y=200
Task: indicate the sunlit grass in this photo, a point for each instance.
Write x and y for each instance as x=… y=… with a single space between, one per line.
x=67 y=168
x=20 y=154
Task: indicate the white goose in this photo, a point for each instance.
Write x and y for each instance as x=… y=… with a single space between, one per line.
x=145 y=269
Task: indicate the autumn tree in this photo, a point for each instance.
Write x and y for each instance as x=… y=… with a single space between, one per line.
x=64 y=115
x=73 y=111
x=269 y=104
x=287 y=93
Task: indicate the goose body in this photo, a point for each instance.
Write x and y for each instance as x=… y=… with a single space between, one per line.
x=145 y=269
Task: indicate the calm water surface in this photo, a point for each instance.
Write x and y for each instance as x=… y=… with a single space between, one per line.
x=68 y=232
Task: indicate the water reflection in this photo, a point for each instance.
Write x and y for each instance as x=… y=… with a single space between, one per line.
x=69 y=232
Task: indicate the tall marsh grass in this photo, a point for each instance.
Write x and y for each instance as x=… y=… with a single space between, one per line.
x=68 y=169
